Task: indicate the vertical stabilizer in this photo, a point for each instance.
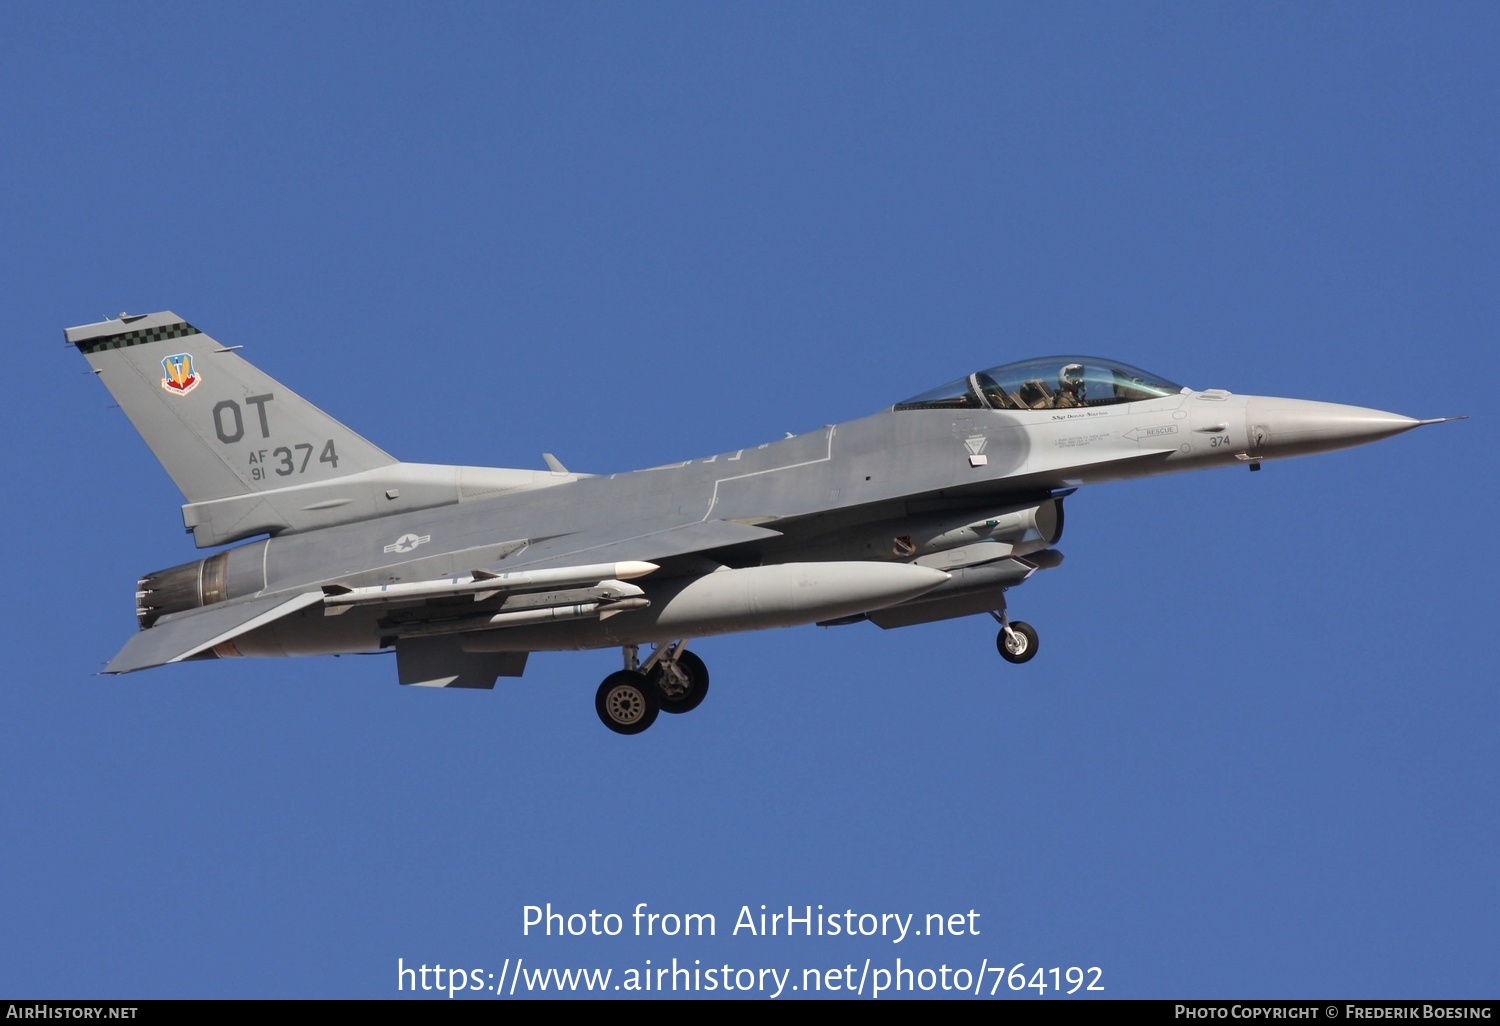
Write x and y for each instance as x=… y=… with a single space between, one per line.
x=219 y=426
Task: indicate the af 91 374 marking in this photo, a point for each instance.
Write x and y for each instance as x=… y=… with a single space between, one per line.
x=284 y=464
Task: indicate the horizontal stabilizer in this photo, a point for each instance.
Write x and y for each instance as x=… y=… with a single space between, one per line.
x=184 y=635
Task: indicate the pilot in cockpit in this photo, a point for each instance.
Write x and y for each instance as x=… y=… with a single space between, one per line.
x=1071 y=389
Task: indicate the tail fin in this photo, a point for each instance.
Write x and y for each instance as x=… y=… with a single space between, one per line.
x=250 y=455
x=218 y=425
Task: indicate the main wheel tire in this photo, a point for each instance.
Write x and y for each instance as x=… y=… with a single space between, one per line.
x=1019 y=644
x=627 y=702
x=677 y=696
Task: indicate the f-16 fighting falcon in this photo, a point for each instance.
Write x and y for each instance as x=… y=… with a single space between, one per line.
x=929 y=509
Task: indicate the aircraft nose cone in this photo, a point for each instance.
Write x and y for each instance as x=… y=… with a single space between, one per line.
x=1293 y=427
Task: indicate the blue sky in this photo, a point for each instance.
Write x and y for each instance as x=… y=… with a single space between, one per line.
x=1256 y=755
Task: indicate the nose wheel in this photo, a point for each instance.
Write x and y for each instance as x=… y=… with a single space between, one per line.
x=1017 y=641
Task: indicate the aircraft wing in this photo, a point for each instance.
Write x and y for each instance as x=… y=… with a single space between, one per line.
x=183 y=635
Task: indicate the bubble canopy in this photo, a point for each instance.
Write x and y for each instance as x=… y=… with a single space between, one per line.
x=1051 y=382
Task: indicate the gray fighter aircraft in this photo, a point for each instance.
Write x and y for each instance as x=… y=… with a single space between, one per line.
x=927 y=510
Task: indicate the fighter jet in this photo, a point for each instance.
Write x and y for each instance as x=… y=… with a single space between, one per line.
x=929 y=509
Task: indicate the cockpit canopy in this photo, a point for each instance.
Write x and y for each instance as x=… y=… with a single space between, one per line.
x=1049 y=383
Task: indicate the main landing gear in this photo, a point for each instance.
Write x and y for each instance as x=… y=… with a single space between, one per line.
x=1017 y=640
x=672 y=680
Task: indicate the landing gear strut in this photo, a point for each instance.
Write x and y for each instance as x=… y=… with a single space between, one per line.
x=672 y=680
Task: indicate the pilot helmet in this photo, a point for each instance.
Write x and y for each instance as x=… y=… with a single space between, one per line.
x=1071 y=379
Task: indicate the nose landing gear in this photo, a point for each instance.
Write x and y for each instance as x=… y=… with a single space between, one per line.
x=1017 y=640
